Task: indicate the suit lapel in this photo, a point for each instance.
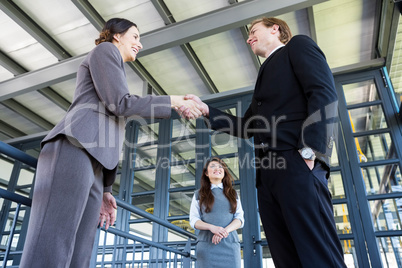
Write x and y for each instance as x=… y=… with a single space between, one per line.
x=266 y=62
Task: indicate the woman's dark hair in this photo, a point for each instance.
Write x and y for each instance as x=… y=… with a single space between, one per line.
x=205 y=194
x=112 y=27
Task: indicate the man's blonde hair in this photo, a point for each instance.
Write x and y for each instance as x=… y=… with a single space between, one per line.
x=284 y=30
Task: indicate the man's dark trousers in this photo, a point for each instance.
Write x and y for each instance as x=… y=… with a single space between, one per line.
x=296 y=211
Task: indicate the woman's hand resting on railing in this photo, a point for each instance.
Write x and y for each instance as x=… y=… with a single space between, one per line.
x=108 y=210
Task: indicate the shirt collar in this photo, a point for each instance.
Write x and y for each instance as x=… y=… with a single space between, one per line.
x=275 y=49
x=220 y=185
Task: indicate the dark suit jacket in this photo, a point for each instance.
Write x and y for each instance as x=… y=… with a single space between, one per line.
x=294 y=104
x=97 y=116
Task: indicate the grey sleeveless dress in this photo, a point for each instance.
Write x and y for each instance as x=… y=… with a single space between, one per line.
x=227 y=252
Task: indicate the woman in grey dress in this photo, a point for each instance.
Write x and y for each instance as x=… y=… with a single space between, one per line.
x=217 y=212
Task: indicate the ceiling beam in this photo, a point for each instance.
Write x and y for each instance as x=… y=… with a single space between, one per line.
x=199 y=68
x=233 y=16
x=10 y=64
x=38 y=79
x=28 y=114
x=48 y=92
x=10 y=131
x=179 y=33
x=245 y=33
x=254 y=58
x=90 y=13
x=163 y=11
x=55 y=97
x=98 y=22
x=311 y=23
x=168 y=18
x=139 y=69
x=31 y=27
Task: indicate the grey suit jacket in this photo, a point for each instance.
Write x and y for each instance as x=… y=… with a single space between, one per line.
x=96 y=118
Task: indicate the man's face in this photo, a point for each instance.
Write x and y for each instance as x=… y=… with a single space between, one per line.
x=261 y=39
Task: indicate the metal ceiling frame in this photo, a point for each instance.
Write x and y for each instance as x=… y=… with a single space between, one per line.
x=9 y=130
x=98 y=22
x=28 y=114
x=31 y=27
x=168 y=18
x=48 y=92
x=21 y=110
x=231 y=17
x=224 y=19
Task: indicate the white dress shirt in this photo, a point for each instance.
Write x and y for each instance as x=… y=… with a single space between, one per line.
x=195 y=212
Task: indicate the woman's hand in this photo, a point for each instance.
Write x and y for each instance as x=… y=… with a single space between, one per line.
x=204 y=108
x=108 y=210
x=186 y=108
x=219 y=231
x=216 y=239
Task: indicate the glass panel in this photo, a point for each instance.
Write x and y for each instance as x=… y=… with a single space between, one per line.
x=144 y=202
x=183 y=149
x=6 y=167
x=179 y=203
x=348 y=249
x=223 y=143
x=182 y=176
x=26 y=178
x=267 y=261
x=110 y=240
x=142 y=229
x=390 y=249
x=360 y=92
x=367 y=118
x=334 y=156
x=335 y=185
x=382 y=179
x=239 y=231
x=182 y=128
x=341 y=215
x=175 y=236
x=386 y=214
x=145 y=156
x=349 y=253
x=33 y=152
x=144 y=180
x=148 y=133
x=233 y=166
x=374 y=147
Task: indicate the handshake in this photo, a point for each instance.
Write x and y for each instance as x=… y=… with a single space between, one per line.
x=189 y=106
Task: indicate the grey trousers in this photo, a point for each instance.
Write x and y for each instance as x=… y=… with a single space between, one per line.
x=65 y=207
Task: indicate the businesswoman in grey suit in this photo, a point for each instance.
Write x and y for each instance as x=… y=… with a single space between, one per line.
x=78 y=161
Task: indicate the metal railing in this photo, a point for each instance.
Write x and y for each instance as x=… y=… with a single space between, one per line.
x=126 y=250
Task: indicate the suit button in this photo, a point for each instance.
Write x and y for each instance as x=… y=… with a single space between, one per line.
x=259 y=103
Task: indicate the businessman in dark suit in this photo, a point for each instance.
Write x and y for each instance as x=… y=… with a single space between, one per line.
x=291 y=118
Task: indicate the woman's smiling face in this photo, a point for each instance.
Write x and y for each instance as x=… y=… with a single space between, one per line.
x=128 y=44
x=215 y=172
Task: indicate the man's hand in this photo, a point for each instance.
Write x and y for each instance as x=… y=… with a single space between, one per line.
x=310 y=163
x=108 y=210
